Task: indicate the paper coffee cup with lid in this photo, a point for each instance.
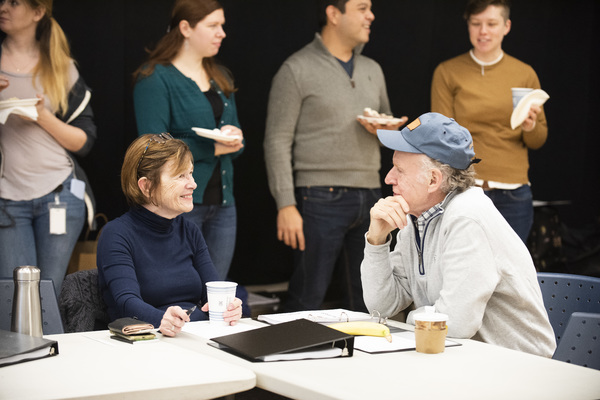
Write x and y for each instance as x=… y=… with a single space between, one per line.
x=430 y=331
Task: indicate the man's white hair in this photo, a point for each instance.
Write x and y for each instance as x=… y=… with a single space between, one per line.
x=452 y=178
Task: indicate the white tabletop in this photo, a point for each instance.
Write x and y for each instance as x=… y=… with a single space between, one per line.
x=474 y=370
x=91 y=365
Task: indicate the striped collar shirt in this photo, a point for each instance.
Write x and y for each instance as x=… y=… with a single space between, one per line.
x=421 y=222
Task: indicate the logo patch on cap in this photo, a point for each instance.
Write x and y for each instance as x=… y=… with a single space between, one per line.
x=413 y=125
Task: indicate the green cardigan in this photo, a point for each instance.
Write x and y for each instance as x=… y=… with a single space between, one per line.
x=168 y=101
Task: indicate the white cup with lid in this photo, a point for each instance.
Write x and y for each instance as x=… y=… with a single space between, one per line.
x=430 y=331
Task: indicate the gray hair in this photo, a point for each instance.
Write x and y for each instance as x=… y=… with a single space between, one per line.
x=452 y=178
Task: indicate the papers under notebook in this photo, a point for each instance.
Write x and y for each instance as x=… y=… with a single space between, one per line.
x=535 y=97
x=324 y=351
x=320 y=316
x=206 y=330
x=293 y=340
x=402 y=340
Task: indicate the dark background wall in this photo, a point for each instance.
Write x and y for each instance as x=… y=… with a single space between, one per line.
x=559 y=38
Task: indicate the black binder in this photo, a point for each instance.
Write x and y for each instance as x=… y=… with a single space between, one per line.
x=17 y=347
x=291 y=339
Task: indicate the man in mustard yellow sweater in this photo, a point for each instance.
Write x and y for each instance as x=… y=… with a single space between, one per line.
x=475 y=89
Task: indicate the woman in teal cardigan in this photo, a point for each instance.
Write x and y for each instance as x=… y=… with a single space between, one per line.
x=181 y=87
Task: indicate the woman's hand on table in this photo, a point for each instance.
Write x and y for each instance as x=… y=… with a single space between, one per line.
x=173 y=320
x=233 y=313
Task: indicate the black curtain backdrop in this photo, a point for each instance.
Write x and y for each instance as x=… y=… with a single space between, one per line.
x=559 y=38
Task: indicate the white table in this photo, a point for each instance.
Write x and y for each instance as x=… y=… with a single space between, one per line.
x=474 y=370
x=91 y=365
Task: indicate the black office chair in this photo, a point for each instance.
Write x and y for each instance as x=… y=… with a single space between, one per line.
x=51 y=319
x=81 y=304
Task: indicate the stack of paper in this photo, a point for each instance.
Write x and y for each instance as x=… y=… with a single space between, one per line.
x=320 y=316
x=402 y=340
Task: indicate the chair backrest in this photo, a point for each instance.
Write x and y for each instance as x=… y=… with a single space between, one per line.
x=81 y=304
x=51 y=319
x=565 y=294
x=580 y=343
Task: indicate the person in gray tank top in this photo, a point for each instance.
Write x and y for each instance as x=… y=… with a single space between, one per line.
x=42 y=190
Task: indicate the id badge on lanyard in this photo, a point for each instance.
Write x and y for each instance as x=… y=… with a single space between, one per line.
x=58 y=215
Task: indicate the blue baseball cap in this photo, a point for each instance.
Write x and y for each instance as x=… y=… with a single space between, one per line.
x=436 y=136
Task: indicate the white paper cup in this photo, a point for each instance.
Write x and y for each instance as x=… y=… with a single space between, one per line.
x=518 y=93
x=220 y=295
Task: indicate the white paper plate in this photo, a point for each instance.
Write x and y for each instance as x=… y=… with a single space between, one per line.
x=379 y=120
x=18 y=102
x=519 y=114
x=214 y=134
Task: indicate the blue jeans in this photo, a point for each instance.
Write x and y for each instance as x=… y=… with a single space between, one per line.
x=218 y=225
x=335 y=222
x=25 y=237
x=516 y=206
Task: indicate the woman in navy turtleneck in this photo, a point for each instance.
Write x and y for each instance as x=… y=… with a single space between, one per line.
x=152 y=263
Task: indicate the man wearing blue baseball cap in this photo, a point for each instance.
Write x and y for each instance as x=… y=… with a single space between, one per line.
x=454 y=249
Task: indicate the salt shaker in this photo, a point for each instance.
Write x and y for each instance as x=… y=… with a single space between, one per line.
x=27 y=308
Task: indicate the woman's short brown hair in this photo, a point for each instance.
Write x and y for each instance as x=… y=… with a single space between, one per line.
x=146 y=157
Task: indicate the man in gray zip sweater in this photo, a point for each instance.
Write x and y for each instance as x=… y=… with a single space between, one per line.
x=454 y=249
x=322 y=165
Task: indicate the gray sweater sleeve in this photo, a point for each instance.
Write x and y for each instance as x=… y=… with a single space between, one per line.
x=283 y=110
x=385 y=290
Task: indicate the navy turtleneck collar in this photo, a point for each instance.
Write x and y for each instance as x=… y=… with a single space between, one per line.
x=152 y=220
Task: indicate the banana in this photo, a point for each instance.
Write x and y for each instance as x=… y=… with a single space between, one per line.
x=363 y=328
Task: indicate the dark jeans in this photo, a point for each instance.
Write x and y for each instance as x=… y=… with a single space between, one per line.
x=517 y=208
x=219 y=226
x=335 y=222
